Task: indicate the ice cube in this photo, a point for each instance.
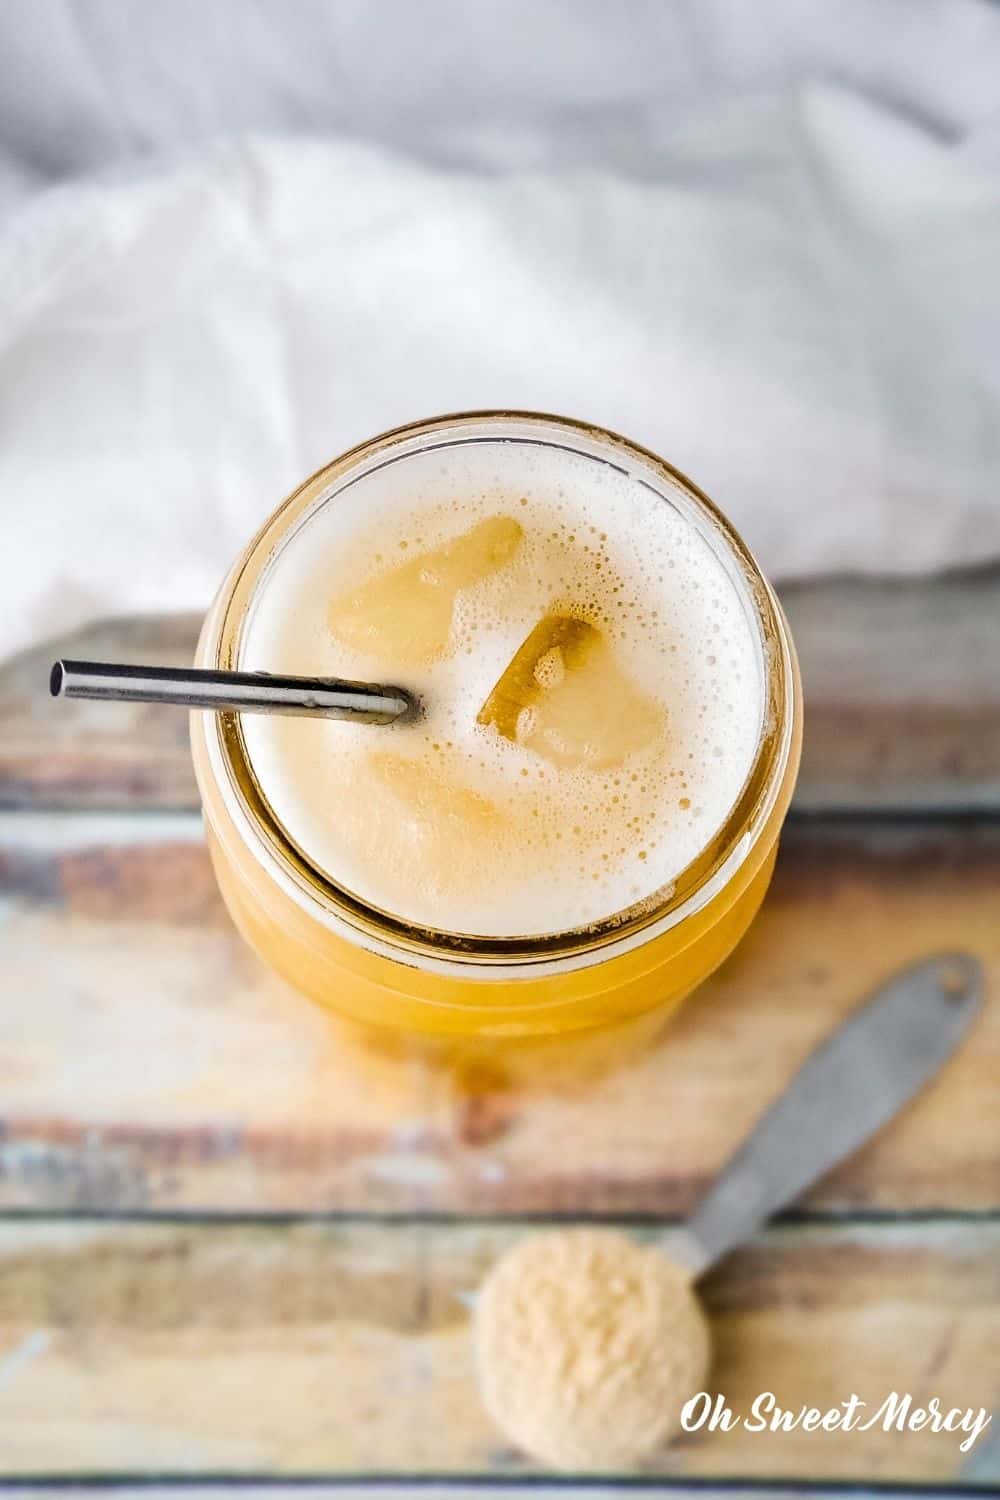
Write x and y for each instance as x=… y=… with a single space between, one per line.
x=433 y=803
x=404 y=616
x=427 y=828
x=565 y=696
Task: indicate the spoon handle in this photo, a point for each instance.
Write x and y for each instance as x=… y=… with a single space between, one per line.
x=845 y=1090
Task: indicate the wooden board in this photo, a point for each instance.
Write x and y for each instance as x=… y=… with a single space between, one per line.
x=344 y=1348
x=900 y=678
x=902 y=693
x=149 y=1061
x=75 y=754
x=155 y=1082
x=526 y=1487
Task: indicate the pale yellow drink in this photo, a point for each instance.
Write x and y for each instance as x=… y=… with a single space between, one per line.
x=583 y=823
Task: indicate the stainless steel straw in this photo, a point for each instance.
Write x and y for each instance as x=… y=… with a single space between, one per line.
x=245 y=692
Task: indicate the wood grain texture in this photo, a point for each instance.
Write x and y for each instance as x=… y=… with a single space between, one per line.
x=902 y=694
x=148 y=1061
x=74 y=754
x=526 y=1487
x=344 y=1348
x=149 y=1064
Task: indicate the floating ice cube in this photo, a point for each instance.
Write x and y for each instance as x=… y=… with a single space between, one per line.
x=431 y=802
x=425 y=827
x=565 y=696
x=404 y=616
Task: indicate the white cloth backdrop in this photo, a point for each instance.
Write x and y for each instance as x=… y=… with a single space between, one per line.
x=762 y=238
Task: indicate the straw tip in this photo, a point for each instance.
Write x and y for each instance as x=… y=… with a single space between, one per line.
x=414 y=709
x=56 y=679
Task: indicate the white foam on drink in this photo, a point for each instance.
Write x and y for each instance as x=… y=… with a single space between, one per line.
x=444 y=823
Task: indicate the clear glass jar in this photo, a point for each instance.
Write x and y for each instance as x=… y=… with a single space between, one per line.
x=385 y=973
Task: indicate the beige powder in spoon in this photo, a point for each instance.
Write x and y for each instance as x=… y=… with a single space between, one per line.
x=587 y=1347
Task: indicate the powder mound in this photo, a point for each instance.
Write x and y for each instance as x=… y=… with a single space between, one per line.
x=587 y=1347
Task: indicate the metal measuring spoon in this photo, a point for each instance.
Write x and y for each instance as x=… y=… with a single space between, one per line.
x=589 y=1344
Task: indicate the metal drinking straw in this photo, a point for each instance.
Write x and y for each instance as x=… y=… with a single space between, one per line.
x=244 y=692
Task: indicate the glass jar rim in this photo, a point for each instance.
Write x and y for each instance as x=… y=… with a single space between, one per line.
x=459 y=953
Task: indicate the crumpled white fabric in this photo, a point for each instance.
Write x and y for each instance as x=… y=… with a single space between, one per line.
x=790 y=292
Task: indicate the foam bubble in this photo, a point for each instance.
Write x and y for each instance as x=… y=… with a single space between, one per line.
x=447 y=823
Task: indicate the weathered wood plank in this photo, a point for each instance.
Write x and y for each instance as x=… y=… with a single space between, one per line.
x=901 y=685
x=502 y=1488
x=78 y=754
x=340 y=1348
x=902 y=692
x=148 y=1061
